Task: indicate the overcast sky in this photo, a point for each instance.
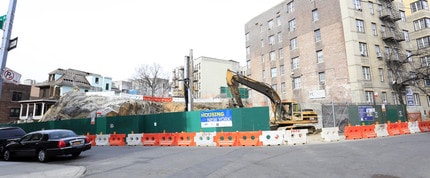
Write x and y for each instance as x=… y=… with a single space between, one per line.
x=114 y=37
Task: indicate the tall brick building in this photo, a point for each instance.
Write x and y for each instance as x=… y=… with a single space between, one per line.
x=322 y=51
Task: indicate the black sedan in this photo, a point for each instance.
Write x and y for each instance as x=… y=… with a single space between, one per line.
x=45 y=144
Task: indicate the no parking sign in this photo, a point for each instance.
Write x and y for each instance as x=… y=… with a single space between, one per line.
x=10 y=76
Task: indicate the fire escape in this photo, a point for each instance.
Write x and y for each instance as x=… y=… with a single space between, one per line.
x=392 y=35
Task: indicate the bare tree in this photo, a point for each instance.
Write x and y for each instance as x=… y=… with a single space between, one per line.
x=412 y=70
x=152 y=80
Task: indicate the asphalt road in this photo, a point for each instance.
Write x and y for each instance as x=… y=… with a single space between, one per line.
x=388 y=157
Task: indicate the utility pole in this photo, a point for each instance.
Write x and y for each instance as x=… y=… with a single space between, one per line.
x=188 y=81
x=6 y=38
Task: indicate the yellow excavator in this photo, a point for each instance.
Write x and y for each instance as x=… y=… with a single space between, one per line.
x=287 y=114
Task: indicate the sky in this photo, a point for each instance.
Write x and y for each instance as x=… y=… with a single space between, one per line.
x=114 y=37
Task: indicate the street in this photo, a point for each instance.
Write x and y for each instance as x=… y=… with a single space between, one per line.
x=387 y=157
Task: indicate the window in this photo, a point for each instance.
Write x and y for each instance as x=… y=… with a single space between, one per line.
x=363 y=49
x=273 y=72
x=417 y=99
x=315 y=15
x=419 y=5
x=374 y=29
x=292 y=25
x=360 y=25
x=384 y=97
x=321 y=77
x=271 y=40
x=283 y=87
x=248 y=64
x=263 y=74
x=281 y=53
x=14 y=112
x=425 y=61
x=427 y=82
x=248 y=51
x=293 y=43
x=247 y=37
x=403 y=16
x=295 y=63
x=297 y=83
x=279 y=37
x=421 y=23
x=270 y=24
x=423 y=42
x=428 y=100
x=383 y=31
x=282 y=69
x=320 y=56
x=272 y=55
x=275 y=87
x=278 y=21
x=366 y=73
x=409 y=56
x=378 y=51
x=317 y=35
x=406 y=35
x=357 y=4
x=372 y=11
x=261 y=28
x=16 y=96
x=290 y=7
x=395 y=98
x=381 y=74
x=369 y=97
x=262 y=43
x=262 y=59
x=97 y=80
x=387 y=52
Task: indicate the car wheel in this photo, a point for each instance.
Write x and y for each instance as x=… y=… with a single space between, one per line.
x=41 y=155
x=76 y=154
x=7 y=156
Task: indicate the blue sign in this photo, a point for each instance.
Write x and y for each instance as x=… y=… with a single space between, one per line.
x=366 y=113
x=216 y=118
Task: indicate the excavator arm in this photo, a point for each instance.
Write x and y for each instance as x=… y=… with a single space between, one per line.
x=233 y=81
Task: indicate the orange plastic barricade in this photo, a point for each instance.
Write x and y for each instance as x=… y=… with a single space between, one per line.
x=404 y=128
x=226 y=139
x=117 y=140
x=352 y=132
x=393 y=129
x=150 y=139
x=186 y=139
x=169 y=139
x=249 y=138
x=424 y=126
x=368 y=131
x=91 y=139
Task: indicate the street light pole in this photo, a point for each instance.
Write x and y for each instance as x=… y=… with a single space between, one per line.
x=6 y=39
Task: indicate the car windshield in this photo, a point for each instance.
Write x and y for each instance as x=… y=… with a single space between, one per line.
x=61 y=134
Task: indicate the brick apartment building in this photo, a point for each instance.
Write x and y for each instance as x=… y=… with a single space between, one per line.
x=322 y=51
x=9 y=101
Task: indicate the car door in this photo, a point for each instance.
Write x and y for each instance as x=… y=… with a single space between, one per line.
x=28 y=145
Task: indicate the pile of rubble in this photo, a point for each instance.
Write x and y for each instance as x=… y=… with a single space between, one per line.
x=77 y=104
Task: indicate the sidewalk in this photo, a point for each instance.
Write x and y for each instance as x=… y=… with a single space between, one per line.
x=38 y=170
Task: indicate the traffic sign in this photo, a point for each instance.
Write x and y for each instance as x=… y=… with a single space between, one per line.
x=10 y=76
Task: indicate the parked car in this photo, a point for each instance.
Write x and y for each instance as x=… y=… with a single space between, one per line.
x=7 y=133
x=45 y=144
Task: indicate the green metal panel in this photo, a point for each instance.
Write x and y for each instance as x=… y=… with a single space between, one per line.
x=166 y=122
x=243 y=119
x=392 y=113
